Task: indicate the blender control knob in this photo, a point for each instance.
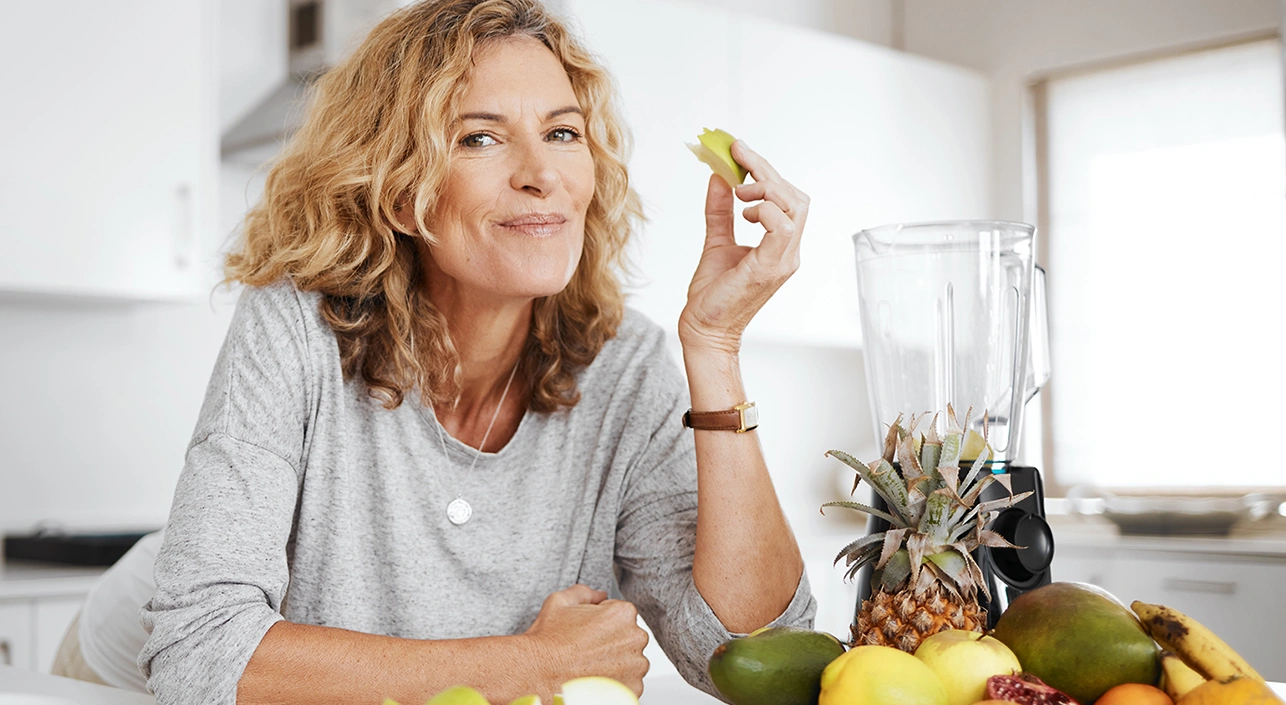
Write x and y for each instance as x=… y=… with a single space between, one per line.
x=1030 y=531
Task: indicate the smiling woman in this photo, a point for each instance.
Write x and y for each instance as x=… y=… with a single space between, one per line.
x=436 y=440
x=338 y=204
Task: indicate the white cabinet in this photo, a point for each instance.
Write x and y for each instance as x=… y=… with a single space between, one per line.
x=32 y=629
x=51 y=617
x=871 y=134
x=16 y=634
x=1236 y=595
x=37 y=604
x=110 y=143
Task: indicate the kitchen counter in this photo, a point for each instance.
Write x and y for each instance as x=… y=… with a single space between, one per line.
x=66 y=690
x=30 y=579
x=663 y=689
x=1265 y=538
x=667 y=689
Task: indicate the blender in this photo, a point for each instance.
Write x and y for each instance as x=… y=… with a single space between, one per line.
x=954 y=313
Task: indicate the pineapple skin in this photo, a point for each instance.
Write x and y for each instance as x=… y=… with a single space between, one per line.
x=902 y=619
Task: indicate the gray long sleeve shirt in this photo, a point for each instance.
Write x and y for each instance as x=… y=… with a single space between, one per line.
x=303 y=498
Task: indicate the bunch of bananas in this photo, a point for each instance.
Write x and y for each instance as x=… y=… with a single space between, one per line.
x=1199 y=666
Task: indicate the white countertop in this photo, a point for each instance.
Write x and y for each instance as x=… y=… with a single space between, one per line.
x=1265 y=538
x=31 y=579
x=17 y=680
x=661 y=689
x=665 y=689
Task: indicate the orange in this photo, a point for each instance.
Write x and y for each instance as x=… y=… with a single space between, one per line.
x=1134 y=694
x=1239 y=691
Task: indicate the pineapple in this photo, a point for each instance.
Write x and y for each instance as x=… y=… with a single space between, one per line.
x=925 y=579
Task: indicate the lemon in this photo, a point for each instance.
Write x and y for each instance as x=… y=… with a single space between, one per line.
x=880 y=675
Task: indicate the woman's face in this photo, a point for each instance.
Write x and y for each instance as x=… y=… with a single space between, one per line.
x=510 y=220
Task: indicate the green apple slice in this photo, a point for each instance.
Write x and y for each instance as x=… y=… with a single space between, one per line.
x=715 y=149
x=459 y=695
x=595 y=690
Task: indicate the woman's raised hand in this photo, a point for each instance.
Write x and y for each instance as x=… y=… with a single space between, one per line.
x=732 y=281
x=579 y=632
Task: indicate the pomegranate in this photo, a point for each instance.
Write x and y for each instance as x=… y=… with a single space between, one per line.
x=1025 y=689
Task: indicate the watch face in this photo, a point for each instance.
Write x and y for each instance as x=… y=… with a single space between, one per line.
x=750 y=417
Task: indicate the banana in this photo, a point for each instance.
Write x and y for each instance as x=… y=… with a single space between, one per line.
x=1204 y=652
x=1179 y=678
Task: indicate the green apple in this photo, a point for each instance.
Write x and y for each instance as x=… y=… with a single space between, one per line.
x=715 y=149
x=964 y=661
x=527 y=700
x=595 y=690
x=459 y=695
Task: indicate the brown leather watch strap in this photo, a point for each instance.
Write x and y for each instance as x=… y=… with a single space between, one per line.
x=741 y=418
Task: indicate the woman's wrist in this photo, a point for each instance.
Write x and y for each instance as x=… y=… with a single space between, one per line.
x=714 y=378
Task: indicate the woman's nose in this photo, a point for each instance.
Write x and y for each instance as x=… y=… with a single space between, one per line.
x=534 y=170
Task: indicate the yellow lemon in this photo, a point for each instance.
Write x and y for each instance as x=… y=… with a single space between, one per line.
x=880 y=675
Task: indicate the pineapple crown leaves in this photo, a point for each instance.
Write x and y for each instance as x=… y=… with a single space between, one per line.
x=934 y=511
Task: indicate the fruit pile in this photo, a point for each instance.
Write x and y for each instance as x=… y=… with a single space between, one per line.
x=1065 y=643
x=917 y=640
x=580 y=691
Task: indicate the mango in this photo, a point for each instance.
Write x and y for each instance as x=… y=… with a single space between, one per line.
x=776 y=666
x=1079 y=639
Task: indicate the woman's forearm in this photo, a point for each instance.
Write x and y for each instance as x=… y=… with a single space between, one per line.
x=306 y=664
x=747 y=564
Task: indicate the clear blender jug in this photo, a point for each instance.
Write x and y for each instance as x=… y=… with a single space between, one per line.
x=953 y=312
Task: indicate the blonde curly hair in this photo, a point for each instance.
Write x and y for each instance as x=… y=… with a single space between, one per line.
x=378 y=135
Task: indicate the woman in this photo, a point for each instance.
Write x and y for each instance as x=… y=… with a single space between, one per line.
x=435 y=440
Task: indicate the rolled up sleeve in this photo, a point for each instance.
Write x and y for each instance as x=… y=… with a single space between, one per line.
x=222 y=571
x=655 y=545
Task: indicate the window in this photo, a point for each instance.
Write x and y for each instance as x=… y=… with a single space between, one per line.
x=1166 y=213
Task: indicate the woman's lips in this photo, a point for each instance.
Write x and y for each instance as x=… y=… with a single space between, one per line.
x=535 y=224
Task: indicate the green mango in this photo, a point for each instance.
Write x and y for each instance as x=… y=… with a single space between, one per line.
x=1079 y=639
x=777 y=666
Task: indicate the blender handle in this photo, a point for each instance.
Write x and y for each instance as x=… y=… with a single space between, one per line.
x=1037 y=336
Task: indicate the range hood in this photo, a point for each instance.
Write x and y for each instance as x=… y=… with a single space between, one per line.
x=320 y=33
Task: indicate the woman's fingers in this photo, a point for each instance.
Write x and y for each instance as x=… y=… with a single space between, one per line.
x=719 y=230
x=755 y=164
x=781 y=234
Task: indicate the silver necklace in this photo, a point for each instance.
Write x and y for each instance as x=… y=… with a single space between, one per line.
x=459 y=510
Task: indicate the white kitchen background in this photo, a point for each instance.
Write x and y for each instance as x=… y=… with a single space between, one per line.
x=883 y=110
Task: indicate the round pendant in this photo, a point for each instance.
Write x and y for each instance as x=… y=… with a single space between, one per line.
x=459 y=511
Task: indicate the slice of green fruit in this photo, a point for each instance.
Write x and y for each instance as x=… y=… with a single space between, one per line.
x=459 y=695
x=527 y=700
x=715 y=149
x=595 y=690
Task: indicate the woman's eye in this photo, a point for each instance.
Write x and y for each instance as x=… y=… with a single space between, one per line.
x=478 y=139
x=563 y=134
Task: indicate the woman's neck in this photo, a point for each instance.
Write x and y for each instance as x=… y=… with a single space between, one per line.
x=489 y=334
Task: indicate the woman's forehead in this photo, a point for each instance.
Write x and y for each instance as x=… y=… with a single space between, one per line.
x=516 y=73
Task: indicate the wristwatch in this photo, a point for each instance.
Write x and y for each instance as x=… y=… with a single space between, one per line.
x=740 y=418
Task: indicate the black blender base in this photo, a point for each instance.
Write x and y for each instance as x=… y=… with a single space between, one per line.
x=1015 y=571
